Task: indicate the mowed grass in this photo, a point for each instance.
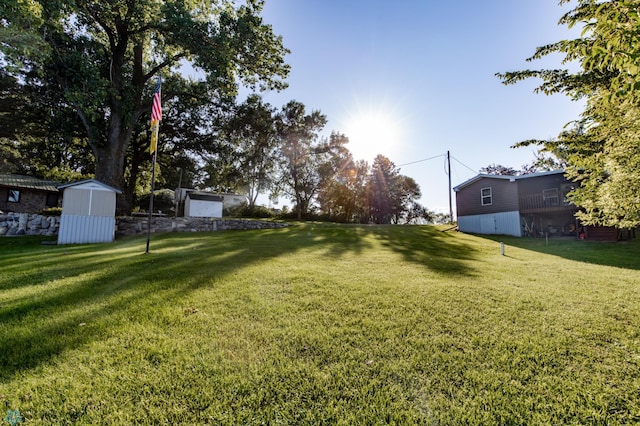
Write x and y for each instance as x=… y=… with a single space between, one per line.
x=321 y=324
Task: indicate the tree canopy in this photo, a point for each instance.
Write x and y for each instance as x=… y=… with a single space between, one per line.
x=391 y=195
x=76 y=88
x=96 y=59
x=249 y=143
x=602 y=149
x=299 y=153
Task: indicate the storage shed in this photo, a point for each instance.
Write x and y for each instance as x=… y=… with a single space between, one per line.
x=198 y=204
x=229 y=200
x=88 y=213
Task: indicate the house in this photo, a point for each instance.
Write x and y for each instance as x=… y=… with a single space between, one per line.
x=26 y=194
x=88 y=213
x=526 y=205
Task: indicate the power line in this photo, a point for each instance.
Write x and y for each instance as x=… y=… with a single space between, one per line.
x=438 y=156
x=420 y=161
x=474 y=171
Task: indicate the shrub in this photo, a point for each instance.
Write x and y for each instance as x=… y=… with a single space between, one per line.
x=51 y=211
x=257 y=212
x=163 y=200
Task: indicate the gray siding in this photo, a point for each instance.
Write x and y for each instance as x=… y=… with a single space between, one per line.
x=538 y=184
x=88 y=214
x=505 y=223
x=79 y=201
x=504 y=197
x=86 y=229
x=103 y=204
x=75 y=201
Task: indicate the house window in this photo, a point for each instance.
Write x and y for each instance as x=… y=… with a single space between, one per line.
x=550 y=196
x=14 y=196
x=52 y=200
x=487 y=199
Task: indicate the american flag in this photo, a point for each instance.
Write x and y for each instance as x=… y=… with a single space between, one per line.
x=156 y=116
x=156 y=110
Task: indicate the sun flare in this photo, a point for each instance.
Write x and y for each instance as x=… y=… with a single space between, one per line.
x=373 y=132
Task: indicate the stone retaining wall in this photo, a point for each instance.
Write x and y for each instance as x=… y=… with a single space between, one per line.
x=35 y=224
x=28 y=224
x=138 y=225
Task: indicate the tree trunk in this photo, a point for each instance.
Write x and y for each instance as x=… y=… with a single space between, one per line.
x=299 y=207
x=111 y=154
x=110 y=160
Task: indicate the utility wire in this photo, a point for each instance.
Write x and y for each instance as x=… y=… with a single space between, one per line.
x=474 y=171
x=420 y=161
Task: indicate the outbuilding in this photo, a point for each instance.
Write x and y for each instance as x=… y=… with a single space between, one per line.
x=200 y=204
x=88 y=212
x=26 y=194
x=230 y=201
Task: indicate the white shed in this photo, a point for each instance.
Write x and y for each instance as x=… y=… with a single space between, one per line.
x=229 y=200
x=198 y=204
x=88 y=213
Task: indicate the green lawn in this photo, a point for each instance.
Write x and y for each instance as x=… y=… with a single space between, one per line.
x=321 y=324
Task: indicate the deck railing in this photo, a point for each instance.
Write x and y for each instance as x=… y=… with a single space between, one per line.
x=537 y=202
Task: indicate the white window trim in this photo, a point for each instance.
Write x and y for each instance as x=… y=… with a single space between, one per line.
x=13 y=195
x=482 y=196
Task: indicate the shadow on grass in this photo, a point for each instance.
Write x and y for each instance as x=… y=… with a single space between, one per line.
x=57 y=298
x=429 y=246
x=622 y=254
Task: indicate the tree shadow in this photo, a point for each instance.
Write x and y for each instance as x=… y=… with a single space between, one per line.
x=429 y=246
x=57 y=298
x=622 y=254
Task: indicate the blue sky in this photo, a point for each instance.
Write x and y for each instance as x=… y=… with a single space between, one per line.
x=414 y=79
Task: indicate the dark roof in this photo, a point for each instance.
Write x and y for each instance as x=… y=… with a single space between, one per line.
x=204 y=197
x=28 y=182
x=511 y=178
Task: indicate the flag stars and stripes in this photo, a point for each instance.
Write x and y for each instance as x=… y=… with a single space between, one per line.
x=156 y=116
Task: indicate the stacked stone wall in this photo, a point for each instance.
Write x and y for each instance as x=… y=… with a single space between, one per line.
x=136 y=225
x=13 y=224
x=35 y=224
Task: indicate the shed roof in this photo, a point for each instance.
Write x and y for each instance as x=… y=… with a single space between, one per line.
x=204 y=197
x=90 y=182
x=28 y=182
x=511 y=178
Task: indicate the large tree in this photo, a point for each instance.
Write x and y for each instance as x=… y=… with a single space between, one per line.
x=343 y=192
x=32 y=115
x=390 y=194
x=250 y=137
x=300 y=154
x=602 y=149
x=499 y=169
x=544 y=161
x=103 y=57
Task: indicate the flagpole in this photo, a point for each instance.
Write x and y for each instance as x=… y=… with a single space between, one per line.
x=156 y=116
x=450 y=202
x=153 y=182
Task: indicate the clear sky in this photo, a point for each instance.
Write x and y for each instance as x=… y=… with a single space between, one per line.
x=413 y=79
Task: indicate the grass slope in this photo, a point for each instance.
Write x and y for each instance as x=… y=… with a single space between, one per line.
x=321 y=324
